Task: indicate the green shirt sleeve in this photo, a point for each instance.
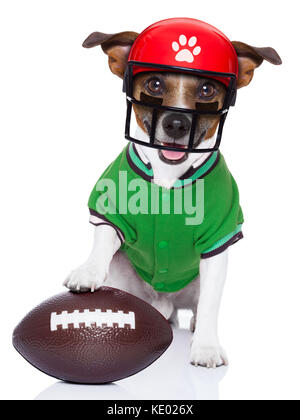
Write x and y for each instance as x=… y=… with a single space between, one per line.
x=104 y=204
x=223 y=215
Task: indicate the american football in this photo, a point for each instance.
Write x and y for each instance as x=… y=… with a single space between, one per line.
x=92 y=338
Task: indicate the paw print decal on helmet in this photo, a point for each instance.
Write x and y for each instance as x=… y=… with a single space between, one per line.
x=183 y=52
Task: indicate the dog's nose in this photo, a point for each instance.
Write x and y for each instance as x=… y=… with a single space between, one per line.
x=176 y=126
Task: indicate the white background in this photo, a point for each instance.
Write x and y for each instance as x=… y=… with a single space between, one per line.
x=62 y=122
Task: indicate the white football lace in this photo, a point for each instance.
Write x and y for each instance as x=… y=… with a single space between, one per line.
x=89 y=318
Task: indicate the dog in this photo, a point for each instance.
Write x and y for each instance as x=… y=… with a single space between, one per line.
x=108 y=264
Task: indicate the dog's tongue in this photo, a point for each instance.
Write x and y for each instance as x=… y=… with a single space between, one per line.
x=169 y=154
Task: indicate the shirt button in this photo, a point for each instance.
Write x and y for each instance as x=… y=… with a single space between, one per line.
x=163 y=244
x=159 y=286
x=163 y=271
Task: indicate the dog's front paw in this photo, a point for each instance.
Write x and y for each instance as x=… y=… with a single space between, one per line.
x=86 y=278
x=209 y=357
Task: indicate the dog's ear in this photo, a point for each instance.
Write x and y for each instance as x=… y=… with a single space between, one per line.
x=116 y=46
x=250 y=58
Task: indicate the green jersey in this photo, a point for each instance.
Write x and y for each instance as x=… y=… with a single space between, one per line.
x=165 y=232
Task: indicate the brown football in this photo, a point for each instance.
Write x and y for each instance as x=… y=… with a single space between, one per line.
x=92 y=338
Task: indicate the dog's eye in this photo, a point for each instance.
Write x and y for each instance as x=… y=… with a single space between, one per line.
x=155 y=86
x=207 y=91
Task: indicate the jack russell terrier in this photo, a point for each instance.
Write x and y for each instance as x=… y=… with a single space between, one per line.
x=163 y=255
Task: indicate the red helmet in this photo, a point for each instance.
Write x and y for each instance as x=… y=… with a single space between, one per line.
x=187 y=46
x=185 y=42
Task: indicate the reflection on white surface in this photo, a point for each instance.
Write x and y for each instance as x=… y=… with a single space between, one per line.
x=170 y=377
